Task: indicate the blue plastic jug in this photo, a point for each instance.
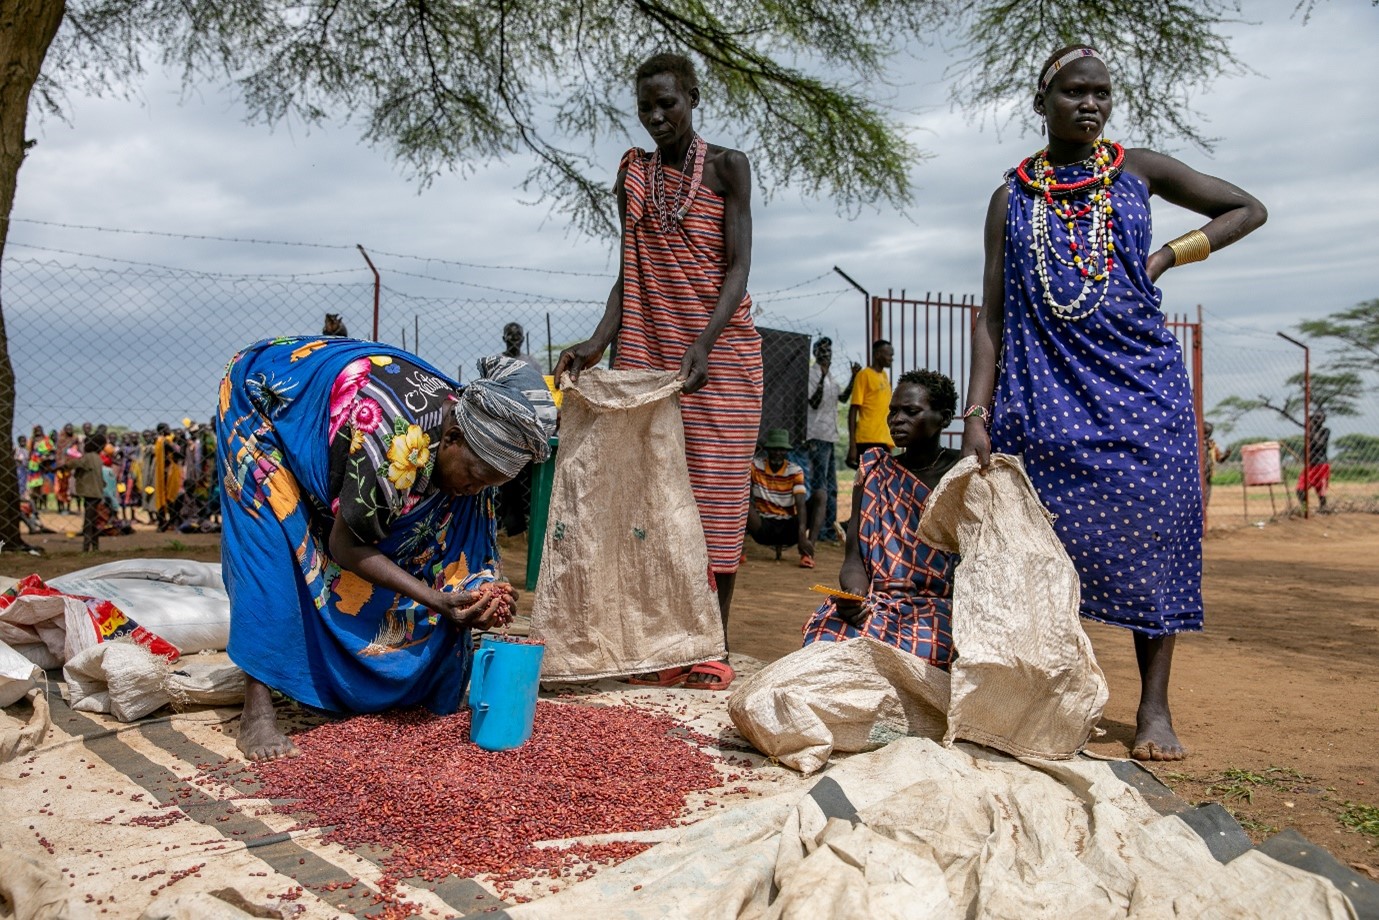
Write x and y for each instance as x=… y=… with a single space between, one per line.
x=502 y=693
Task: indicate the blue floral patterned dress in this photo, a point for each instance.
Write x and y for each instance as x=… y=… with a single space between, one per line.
x=1100 y=408
x=309 y=428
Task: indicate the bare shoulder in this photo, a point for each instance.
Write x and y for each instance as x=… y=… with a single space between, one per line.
x=727 y=171
x=1150 y=164
x=1000 y=201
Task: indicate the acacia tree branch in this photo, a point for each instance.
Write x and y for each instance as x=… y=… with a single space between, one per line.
x=1285 y=410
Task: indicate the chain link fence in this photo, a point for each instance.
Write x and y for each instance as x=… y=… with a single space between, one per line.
x=129 y=345
x=1259 y=384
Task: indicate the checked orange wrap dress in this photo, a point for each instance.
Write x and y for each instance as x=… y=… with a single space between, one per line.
x=671 y=283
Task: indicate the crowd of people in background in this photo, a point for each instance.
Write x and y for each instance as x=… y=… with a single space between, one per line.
x=117 y=477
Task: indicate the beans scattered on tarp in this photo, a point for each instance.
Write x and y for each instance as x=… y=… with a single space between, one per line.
x=413 y=784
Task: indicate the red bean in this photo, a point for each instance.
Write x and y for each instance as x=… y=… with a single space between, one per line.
x=411 y=782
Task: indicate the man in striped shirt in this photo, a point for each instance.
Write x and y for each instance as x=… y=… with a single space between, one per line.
x=779 y=513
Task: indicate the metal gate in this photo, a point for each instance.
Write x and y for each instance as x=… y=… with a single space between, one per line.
x=1189 y=334
x=935 y=332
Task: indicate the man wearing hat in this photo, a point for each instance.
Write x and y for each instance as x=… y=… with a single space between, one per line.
x=779 y=513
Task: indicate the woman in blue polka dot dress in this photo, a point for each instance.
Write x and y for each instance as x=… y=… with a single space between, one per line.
x=1090 y=387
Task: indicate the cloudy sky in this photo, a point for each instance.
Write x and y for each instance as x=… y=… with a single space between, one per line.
x=1298 y=133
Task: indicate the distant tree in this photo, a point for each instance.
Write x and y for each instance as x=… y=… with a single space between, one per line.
x=1356 y=448
x=455 y=84
x=1336 y=394
x=1357 y=332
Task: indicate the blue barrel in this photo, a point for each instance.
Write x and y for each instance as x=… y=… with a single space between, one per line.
x=502 y=693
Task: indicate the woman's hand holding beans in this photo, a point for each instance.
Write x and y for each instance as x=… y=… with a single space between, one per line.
x=491 y=605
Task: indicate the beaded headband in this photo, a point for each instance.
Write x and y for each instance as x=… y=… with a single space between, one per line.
x=1064 y=61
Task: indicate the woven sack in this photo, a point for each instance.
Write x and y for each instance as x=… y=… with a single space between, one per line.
x=624 y=583
x=850 y=696
x=129 y=682
x=1024 y=679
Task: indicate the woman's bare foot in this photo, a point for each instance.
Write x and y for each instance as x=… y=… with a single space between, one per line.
x=1154 y=735
x=1155 y=738
x=259 y=736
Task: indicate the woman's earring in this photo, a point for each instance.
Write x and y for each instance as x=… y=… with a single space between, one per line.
x=1043 y=125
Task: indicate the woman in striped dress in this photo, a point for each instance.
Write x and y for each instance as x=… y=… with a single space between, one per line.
x=681 y=303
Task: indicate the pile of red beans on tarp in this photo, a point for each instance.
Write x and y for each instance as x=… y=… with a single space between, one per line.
x=412 y=782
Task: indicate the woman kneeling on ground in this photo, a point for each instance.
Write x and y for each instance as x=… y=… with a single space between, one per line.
x=359 y=538
x=908 y=586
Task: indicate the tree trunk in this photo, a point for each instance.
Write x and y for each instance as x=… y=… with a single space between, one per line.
x=27 y=28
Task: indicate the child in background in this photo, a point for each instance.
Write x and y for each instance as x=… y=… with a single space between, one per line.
x=88 y=475
x=109 y=477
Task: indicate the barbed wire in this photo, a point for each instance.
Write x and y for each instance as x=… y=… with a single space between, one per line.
x=333 y=246
x=140 y=270
x=515 y=268
x=330 y=246
x=474 y=284
x=804 y=283
x=286 y=276
x=168 y=235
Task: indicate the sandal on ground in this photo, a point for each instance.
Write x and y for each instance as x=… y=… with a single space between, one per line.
x=806 y=562
x=670 y=677
x=720 y=673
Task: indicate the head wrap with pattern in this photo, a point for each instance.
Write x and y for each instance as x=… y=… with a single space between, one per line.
x=507 y=416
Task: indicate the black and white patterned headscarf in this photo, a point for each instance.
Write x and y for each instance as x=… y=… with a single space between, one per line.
x=507 y=416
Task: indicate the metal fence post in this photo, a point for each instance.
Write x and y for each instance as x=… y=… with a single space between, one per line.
x=377 y=285
x=1306 y=422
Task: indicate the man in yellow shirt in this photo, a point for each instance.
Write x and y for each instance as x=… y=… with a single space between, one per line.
x=871 y=402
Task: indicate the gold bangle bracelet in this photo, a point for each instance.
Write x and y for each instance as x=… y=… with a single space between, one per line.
x=1190 y=247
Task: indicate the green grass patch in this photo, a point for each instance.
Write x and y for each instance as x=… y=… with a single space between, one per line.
x=1362 y=818
x=1357 y=472
x=176 y=546
x=1256 y=828
x=1236 y=784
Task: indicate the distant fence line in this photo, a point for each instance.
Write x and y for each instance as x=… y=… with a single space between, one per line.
x=132 y=344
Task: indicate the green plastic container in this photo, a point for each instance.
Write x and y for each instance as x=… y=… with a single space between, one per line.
x=542 y=477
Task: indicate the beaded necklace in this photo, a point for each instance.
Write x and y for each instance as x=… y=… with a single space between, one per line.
x=1091 y=252
x=671 y=211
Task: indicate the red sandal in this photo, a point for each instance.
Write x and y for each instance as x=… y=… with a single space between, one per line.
x=720 y=670
x=670 y=677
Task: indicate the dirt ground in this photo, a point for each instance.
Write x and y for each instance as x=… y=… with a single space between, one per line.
x=1278 y=701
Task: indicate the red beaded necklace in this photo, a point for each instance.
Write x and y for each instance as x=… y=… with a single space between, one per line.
x=1091 y=250
x=1038 y=165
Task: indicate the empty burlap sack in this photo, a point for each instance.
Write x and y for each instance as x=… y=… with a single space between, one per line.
x=18 y=675
x=624 y=585
x=129 y=682
x=222 y=904
x=838 y=696
x=54 y=625
x=32 y=886
x=19 y=736
x=1024 y=679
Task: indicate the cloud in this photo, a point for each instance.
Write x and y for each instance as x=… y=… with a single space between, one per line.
x=1298 y=133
